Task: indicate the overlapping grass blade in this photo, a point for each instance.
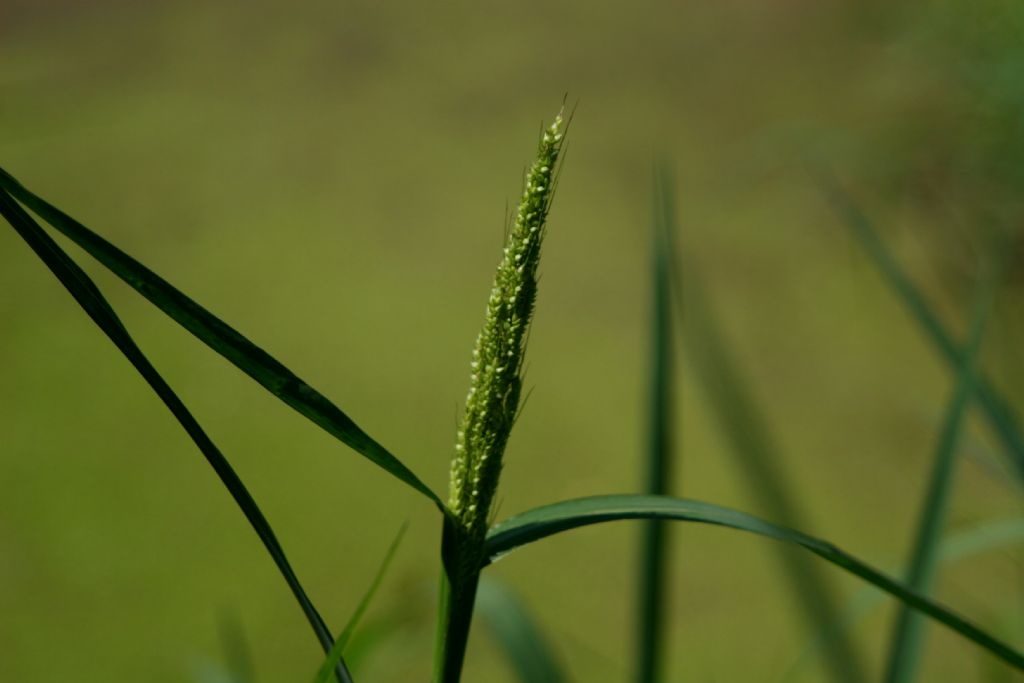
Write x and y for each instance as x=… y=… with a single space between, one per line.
x=545 y=521
x=1000 y=415
x=221 y=337
x=95 y=305
x=651 y=617
x=335 y=654
x=751 y=442
x=965 y=545
x=524 y=644
x=905 y=647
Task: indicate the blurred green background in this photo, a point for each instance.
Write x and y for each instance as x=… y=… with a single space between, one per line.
x=332 y=179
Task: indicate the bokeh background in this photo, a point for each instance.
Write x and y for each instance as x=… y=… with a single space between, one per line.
x=332 y=178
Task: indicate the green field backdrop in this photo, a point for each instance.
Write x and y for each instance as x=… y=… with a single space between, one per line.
x=333 y=178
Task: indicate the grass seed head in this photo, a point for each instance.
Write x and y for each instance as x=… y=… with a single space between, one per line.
x=496 y=368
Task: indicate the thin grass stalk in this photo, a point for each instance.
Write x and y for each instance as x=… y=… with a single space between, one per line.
x=908 y=634
x=338 y=649
x=752 y=443
x=999 y=413
x=653 y=586
x=491 y=409
x=92 y=301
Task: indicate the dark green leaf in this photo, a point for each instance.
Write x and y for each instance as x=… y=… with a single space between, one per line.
x=95 y=305
x=221 y=337
x=967 y=544
x=548 y=520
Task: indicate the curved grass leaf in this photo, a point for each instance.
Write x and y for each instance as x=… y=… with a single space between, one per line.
x=336 y=651
x=551 y=519
x=518 y=634
x=221 y=337
x=95 y=305
x=965 y=545
x=1000 y=415
x=908 y=634
x=752 y=442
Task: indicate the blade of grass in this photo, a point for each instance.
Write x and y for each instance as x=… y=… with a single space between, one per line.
x=965 y=545
x=212 y=672
x=524 y=644
x=95 y=305
x=237 y=650
x=373 y=635
x=547 y=520
x=652 y=588
x=752 y=443
x=908 y=634
x=981 y=539
x=335 y=654
x=1001 y=417
x=271 y=374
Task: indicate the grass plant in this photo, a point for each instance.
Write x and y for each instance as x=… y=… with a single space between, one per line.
x=470 y=542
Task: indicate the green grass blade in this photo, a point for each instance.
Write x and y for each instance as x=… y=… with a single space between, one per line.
x=221 y=337
x=547 y=520
x=651 y=617
x=237 y=650
x=990 y=536
x=751 y=441
x=524 y=644
x=982 y=539
x=1000 y=415
x=335 y=654
x=905 y=647
x=213 y=672
x=95 y=305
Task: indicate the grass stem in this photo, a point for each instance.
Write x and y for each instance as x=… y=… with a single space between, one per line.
x=908 y=633
x=651 y=605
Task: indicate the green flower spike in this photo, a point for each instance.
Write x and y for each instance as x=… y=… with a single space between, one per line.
x=496 y=378
x=491 y=407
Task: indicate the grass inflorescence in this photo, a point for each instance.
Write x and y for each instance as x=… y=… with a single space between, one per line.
x=492 y=404
x=496 y=379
